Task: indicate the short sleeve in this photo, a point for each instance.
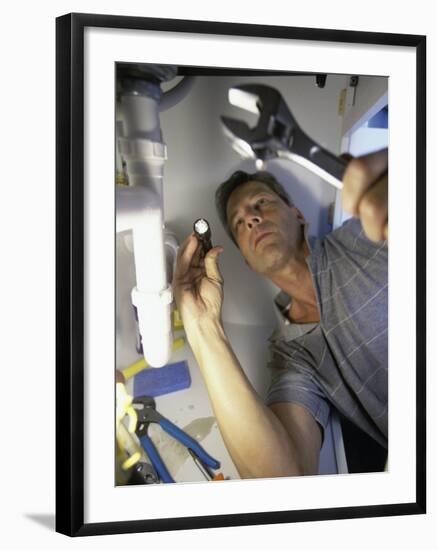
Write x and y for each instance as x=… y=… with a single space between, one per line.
x=294 y=383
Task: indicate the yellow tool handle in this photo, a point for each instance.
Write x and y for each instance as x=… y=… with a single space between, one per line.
x=177 y=320
x=134 y=369
x=128 y=443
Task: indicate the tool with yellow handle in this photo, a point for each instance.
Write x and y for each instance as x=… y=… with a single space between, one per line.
x=177 y=320
x=125 y=439
x=127 y=443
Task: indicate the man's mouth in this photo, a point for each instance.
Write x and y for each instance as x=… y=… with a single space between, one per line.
x=259 y=238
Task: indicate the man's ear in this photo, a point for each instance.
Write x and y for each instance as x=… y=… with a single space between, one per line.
x=298 y=214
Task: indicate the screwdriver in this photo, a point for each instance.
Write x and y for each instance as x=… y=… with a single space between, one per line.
x=206 y=472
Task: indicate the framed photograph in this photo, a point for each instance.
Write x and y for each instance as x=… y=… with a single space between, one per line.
x=164 y=423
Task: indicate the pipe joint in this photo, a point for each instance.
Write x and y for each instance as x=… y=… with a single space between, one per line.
x=137 y=149
x=141 y=299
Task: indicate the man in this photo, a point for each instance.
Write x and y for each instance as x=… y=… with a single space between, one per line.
x=336 y=352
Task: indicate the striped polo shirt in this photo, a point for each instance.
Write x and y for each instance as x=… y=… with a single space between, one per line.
x=342 y=360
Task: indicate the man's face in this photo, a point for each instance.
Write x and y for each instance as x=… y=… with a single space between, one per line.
x=268 y=232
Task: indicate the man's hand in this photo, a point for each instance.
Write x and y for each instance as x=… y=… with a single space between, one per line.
x=197 y=284
x=365 y=193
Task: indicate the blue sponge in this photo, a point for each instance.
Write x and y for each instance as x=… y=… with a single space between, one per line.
x=159 y=381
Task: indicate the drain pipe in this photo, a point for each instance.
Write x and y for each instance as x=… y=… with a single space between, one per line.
x=177 y=93
x=140 y=208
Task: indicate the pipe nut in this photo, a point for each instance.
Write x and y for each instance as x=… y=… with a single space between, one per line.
x=142 y=149
x=166 y=295
x=149 y=299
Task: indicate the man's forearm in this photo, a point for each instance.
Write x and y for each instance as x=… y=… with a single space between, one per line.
x=255 y=438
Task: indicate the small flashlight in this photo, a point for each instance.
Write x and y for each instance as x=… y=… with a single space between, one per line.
x=259 y=164
x=203 y=233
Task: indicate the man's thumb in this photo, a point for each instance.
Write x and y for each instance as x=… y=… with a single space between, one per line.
x=211 y=264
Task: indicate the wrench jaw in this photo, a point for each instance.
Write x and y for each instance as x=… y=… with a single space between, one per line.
x=238 y=133
x=273 y=131
x=277 y=134
x=246 y=141
x=247 y=144
x=277 y=138
x=244 y=97
x=251 y=146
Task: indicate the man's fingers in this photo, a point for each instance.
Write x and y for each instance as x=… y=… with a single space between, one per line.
x=199 y=254
x=373 y=211
x=211 y=264
x=361 y=173
x=185 y=255
x=192 y=266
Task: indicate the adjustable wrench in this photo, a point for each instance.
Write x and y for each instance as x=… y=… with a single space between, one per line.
x=277 y=134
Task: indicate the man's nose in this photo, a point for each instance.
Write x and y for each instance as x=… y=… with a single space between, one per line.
x=253 y=219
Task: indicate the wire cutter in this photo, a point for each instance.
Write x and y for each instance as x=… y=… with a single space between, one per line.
x=277 y=133
x=147 y=413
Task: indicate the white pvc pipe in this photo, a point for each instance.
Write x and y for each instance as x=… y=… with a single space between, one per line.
x=139 y=209
x=177 y=93
x=153 y=295
x=140 y=116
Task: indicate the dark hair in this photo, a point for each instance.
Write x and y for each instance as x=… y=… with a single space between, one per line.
x=238 y=178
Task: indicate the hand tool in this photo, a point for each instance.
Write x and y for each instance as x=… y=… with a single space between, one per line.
x=203 y=233
x=277 y=134
x=143 y=473
x=205 y=471
x=127 y=443
x=147 y=413
x=123 y=406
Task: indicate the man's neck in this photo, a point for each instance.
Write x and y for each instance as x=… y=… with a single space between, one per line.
x=296 y=281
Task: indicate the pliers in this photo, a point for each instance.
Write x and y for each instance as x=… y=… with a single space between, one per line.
x=277 y=133
x=147 y=413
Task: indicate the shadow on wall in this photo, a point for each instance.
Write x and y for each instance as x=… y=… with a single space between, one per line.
x=46 y=520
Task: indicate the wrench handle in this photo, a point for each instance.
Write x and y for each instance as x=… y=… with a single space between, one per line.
x=312 y=156
x=330 y=163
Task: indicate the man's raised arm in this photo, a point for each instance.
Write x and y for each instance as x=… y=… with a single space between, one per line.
x=263 y=442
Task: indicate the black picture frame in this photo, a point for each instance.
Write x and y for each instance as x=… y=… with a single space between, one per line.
x=70 y=273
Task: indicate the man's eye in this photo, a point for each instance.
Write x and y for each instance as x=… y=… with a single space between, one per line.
x=260 y=201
